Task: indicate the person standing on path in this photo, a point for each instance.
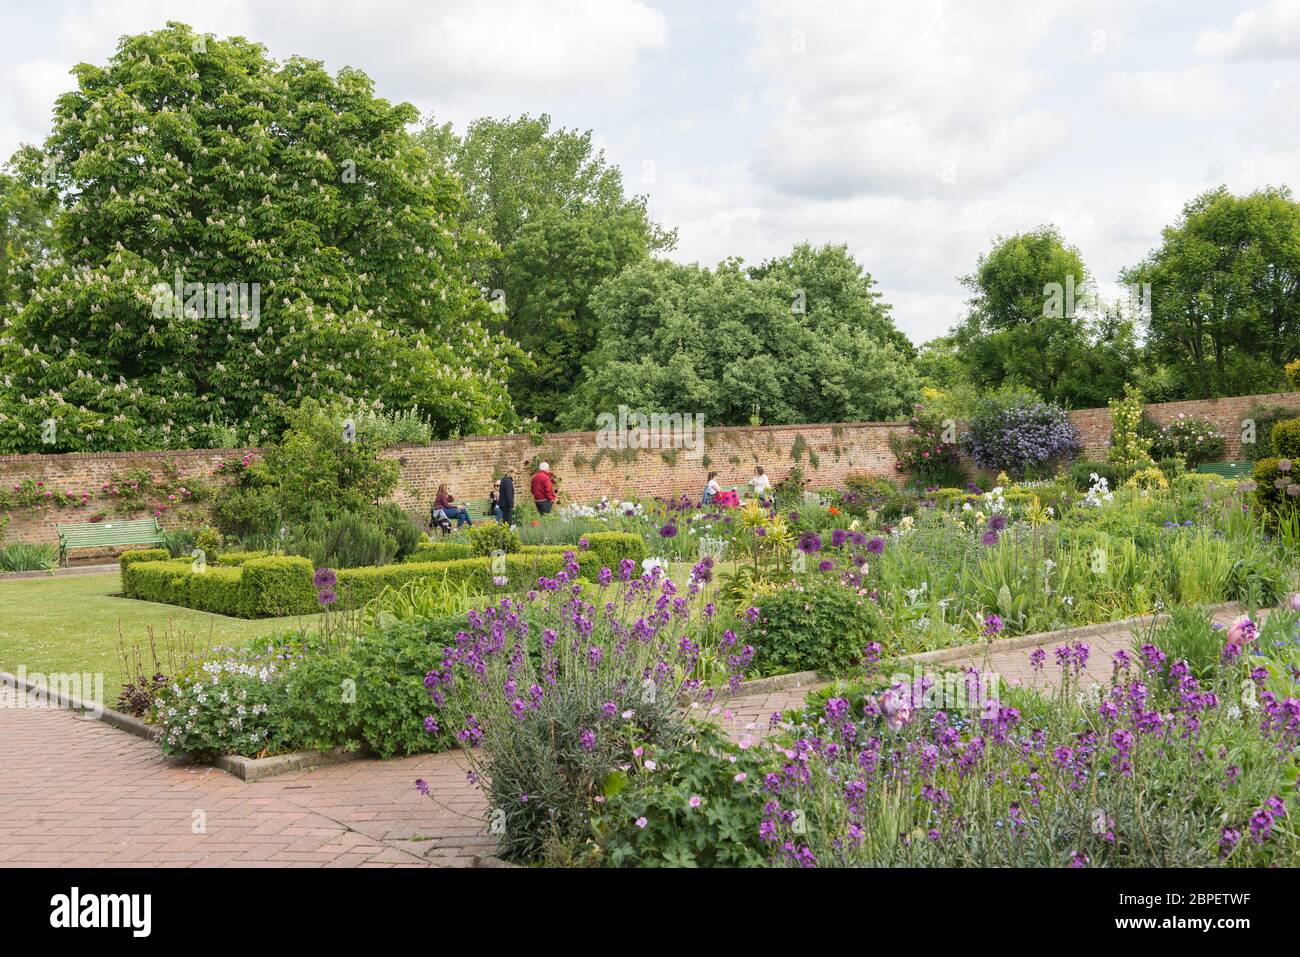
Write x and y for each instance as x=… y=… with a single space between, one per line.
x=762 y=486
x=506 y=496
x=543 y=488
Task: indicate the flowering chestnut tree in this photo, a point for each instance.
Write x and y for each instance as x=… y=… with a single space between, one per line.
x=189 y=168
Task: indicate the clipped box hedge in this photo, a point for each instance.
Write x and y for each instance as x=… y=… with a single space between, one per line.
x=255 y=585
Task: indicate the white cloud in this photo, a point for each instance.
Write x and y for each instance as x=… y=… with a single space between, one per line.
x=1270 y=31
x=915 y=98
x=1196 y=90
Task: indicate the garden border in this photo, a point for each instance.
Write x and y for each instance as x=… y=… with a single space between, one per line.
x=257 y=769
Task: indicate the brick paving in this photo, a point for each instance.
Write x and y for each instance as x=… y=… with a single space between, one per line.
x=77 y=792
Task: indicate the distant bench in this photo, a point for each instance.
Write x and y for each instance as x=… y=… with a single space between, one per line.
x=144 y=531
x=1229 y=470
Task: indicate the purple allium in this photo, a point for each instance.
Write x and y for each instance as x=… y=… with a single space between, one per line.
x=324 y=578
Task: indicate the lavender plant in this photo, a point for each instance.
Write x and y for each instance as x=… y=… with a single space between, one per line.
x=555 y=696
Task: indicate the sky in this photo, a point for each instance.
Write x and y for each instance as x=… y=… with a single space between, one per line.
x=914 y=131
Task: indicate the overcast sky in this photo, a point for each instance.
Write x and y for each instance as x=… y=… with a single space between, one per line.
x=914 y=130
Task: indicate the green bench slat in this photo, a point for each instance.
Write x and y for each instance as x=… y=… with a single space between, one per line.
x=96 y=534
x=1227 y=469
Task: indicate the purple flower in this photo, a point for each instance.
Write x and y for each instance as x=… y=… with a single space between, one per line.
x=997 y=523
x=992 y=625
x=327 y=597
x=876 y=545
x=668 y=531
x=839 y=537
x=989 y=538
x=324 y=578
x=810 y=542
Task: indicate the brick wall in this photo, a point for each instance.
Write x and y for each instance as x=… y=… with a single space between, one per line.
x=1228 y=416
x=826 y=453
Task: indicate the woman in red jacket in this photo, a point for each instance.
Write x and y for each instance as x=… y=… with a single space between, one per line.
x=543 y=488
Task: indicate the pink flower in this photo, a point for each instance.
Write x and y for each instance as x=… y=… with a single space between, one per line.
x=695 y=801
x=641 y=822
x=897 y=702
x=1295 y=601
x=1242 y=631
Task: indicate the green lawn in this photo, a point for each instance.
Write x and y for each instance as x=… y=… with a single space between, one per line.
x=71 y=624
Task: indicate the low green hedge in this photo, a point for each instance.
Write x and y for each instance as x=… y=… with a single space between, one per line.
x=356 y=586
x=612 y=547
x=231 y=559
x=440 y=552
x=255 y=585
x=143 y=555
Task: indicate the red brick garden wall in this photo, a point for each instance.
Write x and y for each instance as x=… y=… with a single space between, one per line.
x=1228 y=416
x=826 y=453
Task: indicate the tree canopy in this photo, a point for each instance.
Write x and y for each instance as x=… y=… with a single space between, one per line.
x=189 y=160
x=559 y=220
x=802 y=338
x=1225 y=284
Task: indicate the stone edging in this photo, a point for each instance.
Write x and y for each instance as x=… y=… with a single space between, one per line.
x=246 y=769
x=62 y=572
x=957 y=652
x=256 y=769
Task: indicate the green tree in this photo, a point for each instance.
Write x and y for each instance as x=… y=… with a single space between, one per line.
x=732 y=344
x=1035 y=321
x=189 y=159
x=1225 y=293
x=560 y=223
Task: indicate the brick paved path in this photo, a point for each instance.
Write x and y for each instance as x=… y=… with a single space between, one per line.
x=78 y=792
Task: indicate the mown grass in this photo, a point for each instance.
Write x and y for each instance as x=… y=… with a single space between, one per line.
x=72 y=624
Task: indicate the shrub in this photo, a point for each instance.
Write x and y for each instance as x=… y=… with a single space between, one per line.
x=1285 y=439
x=1277 y=486
x=1172 y=467
x=144 y=555
x=232 y=559
x=556 y=707
x=218 y=590
x=237 y=705
x=440 y=552
x=818 y=627
x=344 y=540
x=610 y=548
x=1021 y=436
x=1196 y=440
x=651 y=823
x=1081 y=473
x=929 y=452
x=210 y=542
x=1263 y=418
x=370 y=692
x=1150 y=478
x=1292 y=372
x=277 y=585
x=159 y=581
x=488 y=537
x=1129 y=451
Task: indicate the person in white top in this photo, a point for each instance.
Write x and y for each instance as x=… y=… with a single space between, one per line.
x=761 y=483
x=712 y=488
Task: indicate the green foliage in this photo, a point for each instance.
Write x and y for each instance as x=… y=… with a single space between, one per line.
x=1192 y=439
x=144 y=555
x=277 y=585
x=1081 y=473
x=1264 y=418
x=348 y=227
x=1129 y=451
x=28 y=557
x=610 y=548
x=726 y=342
x=1225 y=316
x=434 y=551
x=489 y=537
x=1033 y=322
x=1285 y=439
x=556 y=211
x=370 y=691
x=818 y=627
x=651 y=823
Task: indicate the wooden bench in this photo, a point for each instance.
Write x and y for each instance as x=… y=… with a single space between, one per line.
x=145 y=531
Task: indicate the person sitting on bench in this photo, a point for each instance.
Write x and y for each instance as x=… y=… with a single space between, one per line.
x=444 y=502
